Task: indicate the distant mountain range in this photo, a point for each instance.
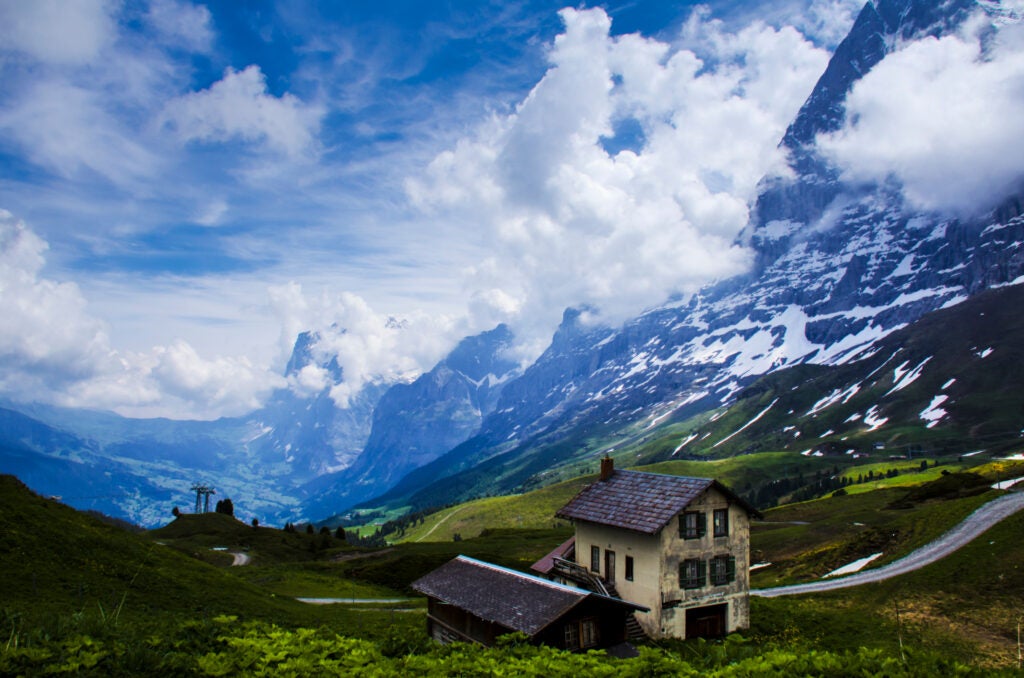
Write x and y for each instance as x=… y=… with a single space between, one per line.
x=864 y=323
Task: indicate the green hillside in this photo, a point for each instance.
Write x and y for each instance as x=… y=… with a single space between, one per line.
x=748 y=475
x=58 y=563
x=84 y=597
x=967 y=605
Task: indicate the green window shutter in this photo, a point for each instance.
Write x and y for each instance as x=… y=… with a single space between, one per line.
x=702 y=572
x=702 y=524
x=730 y=569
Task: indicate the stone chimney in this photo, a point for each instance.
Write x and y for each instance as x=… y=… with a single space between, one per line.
x=607 y=467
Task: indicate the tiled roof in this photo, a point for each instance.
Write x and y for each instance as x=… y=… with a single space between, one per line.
x=633 y=500
x=513 y=599
x=545 y=564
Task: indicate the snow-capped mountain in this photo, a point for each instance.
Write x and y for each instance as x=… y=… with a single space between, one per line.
x=838 y=268
x=307 y=435
x=947 y=384
x=270 y=461
x=414 y=424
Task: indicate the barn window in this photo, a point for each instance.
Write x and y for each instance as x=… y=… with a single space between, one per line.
x=588 y=633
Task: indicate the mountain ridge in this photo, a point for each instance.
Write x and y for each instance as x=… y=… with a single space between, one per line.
x=838 y=268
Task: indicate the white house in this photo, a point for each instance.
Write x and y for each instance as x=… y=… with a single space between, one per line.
x=678 y=546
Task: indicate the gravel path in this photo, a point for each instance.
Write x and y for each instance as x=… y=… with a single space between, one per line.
x=441 y=522
x=240 y=558
x=983 y=518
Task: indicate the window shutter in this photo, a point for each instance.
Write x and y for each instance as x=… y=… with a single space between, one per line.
x=730 y=569
x=702 y=572
x=702 y=524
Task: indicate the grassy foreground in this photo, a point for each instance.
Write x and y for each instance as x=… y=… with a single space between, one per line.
x=82 y=597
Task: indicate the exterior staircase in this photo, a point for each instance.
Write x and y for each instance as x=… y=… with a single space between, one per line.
x=592 y=582
x=634 y=632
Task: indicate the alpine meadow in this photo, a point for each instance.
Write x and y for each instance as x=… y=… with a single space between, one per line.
x=631 y=338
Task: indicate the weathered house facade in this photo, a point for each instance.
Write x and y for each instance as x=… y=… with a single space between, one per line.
x=678 y=546
x=469 y=600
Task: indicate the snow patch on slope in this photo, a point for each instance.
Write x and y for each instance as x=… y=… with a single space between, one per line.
x=933 y=414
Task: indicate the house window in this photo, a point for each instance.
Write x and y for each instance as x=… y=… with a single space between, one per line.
x=595 y=558
x=723 y=570
x=721 y=522
x=629 y=568
x=693 y=525
x=693 y=573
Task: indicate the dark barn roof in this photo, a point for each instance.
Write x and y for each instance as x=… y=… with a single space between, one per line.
x=515 y=600
x=638 y=501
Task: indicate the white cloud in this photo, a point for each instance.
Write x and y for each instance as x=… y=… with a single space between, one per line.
x=46 y=335
x=943 y=118
x=68 y=129
x=239 y=107
x=53 y=350
x=571 y=224
x=56 y=31
x=310 y=380
x=211 y=213
x=368 y=346
x=827 y=21
x=182 y=24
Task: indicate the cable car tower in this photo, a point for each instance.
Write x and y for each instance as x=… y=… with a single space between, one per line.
x=203 y=493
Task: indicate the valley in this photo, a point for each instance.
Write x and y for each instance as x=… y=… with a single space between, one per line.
x=854 y=381
x=105 y=584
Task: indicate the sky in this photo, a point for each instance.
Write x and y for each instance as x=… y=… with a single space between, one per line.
x=186 y=186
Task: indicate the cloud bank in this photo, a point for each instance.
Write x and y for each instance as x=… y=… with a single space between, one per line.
x=626 y=173
x=370 y=347
x=53 y=350
x=942 y=117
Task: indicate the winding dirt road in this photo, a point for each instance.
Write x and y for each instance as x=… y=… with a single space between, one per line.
x=240 y=559
x=983 y=518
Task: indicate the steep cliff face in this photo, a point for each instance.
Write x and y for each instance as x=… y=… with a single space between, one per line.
x=414 y=424
x=805 y=197
x=303 y=436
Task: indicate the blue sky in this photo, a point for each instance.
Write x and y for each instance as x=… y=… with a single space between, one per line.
x=185 y=186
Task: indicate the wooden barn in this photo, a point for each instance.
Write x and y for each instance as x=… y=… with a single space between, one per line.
x=473 y=601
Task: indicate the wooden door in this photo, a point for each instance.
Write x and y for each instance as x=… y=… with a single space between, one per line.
x=706 y=622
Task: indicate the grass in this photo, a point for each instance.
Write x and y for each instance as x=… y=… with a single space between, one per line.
x=195 y=535
x=536 y=509
x=965 y=606
x=909 y=474
x=310 y=580
x=65 y=572
x=805 y=541
x=398 y=566
x=64 y=567
x=532 y=510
